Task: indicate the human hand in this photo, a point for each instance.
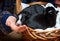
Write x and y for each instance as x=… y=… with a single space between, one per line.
x=19 y=28
x=10 y=20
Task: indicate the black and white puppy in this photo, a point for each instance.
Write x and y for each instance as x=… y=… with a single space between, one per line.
x=38 y=17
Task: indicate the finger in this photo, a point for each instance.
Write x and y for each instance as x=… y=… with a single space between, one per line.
x=26 y=26
x=22 y=28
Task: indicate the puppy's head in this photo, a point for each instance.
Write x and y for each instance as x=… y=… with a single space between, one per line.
x=38 y=17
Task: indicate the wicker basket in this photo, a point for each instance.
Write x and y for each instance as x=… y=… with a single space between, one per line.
x=32 y=35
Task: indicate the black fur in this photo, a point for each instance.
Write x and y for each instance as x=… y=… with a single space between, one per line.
x=38 y=17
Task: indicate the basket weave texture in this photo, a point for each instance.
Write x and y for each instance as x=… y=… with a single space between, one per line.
x=32 y=35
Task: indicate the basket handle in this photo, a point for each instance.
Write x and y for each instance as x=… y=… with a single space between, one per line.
x=18 y=6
